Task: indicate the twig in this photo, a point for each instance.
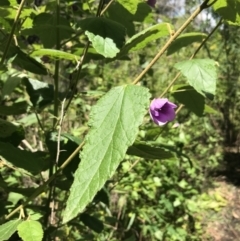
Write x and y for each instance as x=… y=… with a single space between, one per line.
x=59 y=133
x=12 y=31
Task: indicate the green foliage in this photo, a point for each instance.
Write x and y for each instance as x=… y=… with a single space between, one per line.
x=8 y=228
x=201 y=74
x=80 y=157
x=30 y=230
x=110 y=130
x=229 y=10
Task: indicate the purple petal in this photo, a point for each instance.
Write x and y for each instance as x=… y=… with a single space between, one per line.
x=162 y=111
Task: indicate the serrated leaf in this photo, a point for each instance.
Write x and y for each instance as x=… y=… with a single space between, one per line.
x=146 y=36
x=114 y=126
x=31 y=162
x=14 y=109
x=201 y=74
x=54 y=54
x=185 y=40
x=229 y=10
x=107 y=36
x=190 y=98
x=8 y=228
x=148 y=151
x=30 y=230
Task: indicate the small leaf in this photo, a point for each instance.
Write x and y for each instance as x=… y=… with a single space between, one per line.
x=146 y=36
x=201 y=75
x=41 y=93
x=92 y=222
x=185 y=40
x=106 y=35
x=114 y=126
x=7 y=229
x=30 y=230
x=190 y=98
x=54 y=54
x=148 y=151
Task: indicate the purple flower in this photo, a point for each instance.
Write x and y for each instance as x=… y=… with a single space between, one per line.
x=162 y=111
x=151 y=3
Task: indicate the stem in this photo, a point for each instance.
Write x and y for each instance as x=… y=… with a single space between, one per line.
x=12 y=31
x=56 y=74
x=172 y=38
x=41 y=189
x=80 y=64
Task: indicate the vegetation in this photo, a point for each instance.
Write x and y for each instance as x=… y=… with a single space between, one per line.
x=81 y=158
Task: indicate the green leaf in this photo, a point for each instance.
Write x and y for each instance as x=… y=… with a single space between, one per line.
x=185 y=40
x=68 y=144
x=11 y=132
x=131 y=6
x=114 y=124
x=92 y=222
x=54 y=54
x=209 y=110
x=107 y=36
x=24 y=61
x=190 y=98
x=7 y=229
x=14 y=109
x=201 y=74
x=41 y=94
x=30 y=230
x=146 y=36
x=10 y=12
x=149 y=151
x=32 y=162
x=45 y=26
x=229 y=10
x=11 y=83
x=120 y=14
x=5 y=24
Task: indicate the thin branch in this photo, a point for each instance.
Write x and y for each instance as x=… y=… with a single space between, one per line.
x=20 y=8
x=59 y=133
